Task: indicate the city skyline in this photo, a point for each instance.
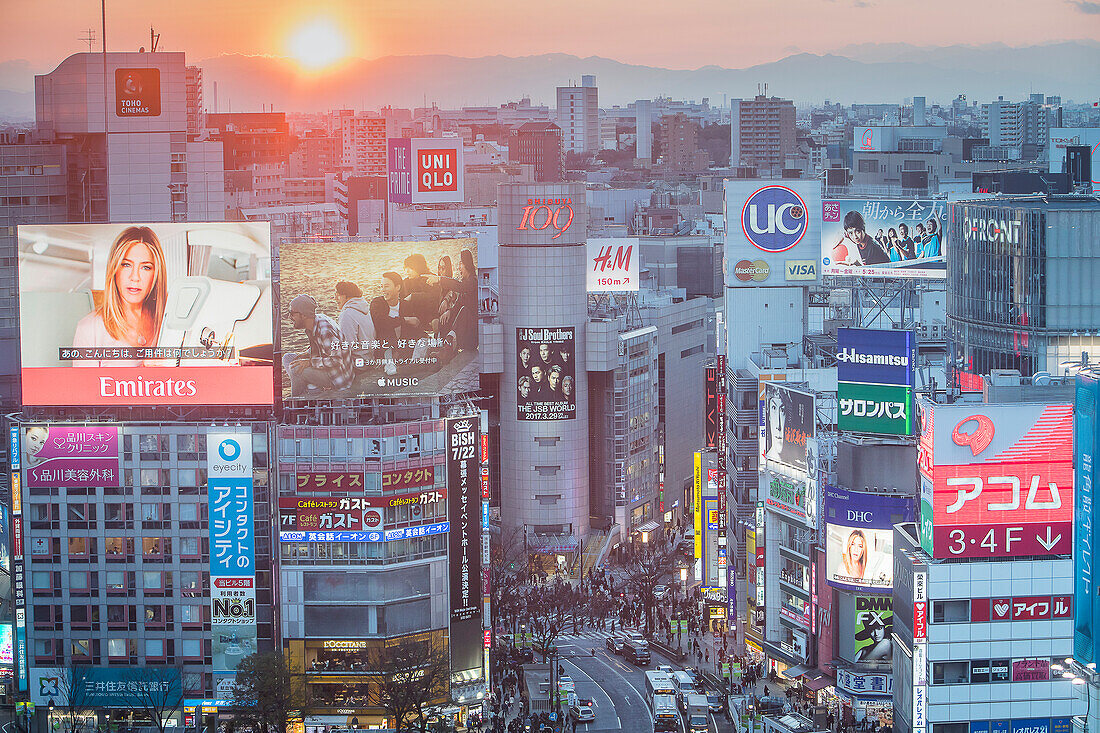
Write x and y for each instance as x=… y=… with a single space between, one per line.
x=328 y=35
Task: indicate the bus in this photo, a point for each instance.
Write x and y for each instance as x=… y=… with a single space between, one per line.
x=657 y=683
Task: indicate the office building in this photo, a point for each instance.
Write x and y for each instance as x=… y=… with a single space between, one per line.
x=257 y=154
x=762 y=133
x=363 y=140
x=643 y=120
x=579 y=117
x=538 y=144
x=680 y=151
x=1043 y=318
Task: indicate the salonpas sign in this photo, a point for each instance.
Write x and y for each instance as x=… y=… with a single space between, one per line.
x=875 y=408
x=874 y=370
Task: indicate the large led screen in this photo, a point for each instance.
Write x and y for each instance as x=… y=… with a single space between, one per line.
x=133 y=314
x=546 y=374
x=378 y=319
x=884 y=238
x=859 y=544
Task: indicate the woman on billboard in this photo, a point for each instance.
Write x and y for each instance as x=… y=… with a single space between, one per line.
x=854 y=558
x=134 y=293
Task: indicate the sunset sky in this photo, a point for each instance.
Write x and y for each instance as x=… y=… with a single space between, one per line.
x=683 y=34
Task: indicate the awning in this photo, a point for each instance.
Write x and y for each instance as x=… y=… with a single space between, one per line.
x=814 y=679
x=795 y=672
x=649 y=526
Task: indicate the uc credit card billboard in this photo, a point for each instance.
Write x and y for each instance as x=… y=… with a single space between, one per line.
x=996 y=480
x=772 y=232
x=145 y=314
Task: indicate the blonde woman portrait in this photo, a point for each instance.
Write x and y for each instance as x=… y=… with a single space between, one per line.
x=134 y=293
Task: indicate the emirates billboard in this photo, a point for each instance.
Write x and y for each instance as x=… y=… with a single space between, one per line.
x=996 y=480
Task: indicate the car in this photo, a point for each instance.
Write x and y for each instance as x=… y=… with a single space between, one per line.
x=615 y=644
x=581 y=710
x=715 y=701
x=666 y=668
x=660 y=591
x=566 y=684
x=771 y=705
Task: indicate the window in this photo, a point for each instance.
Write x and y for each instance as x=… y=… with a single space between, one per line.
x=154 y=648
x=44 y=647
x=44 y=512
x=189 y=583
x=79 y=580
x=189 y=546
x=78 y=546
x=119 y=547
x=153 y=547
x=82 y=647
x=116 y=580
x=691 y=352
x=150 y=477
x=42 y=580
x=950 y=673
x=115 y=513
x=150 y=512
x=950 y=612
x=118 y=648
x=192 y=648
x=78 y=512
x=191 y=614
x=189 y=512
x=152 y=580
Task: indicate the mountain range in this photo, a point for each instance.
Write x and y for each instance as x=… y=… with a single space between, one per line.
x=861 y=73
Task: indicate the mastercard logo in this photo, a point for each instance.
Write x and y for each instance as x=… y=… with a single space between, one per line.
x=751 y=271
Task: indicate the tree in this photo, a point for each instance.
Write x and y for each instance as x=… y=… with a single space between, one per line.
x=507 y=568
x=548 y=610
x=269 y=686
x=67 y=687
x=414 y=673
x=155 y=691
x=655 y=560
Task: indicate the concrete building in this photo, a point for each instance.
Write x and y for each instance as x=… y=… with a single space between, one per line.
x=1029 y=323
x=538 y=144
x=363 y=143
x=762 y=133
x=257 y=155
x=643 y=115
x=1015 y=124
x=578 y=113
x=680 y=151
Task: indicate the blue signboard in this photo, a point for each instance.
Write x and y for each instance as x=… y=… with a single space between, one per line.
x=874 y=357
x=1061 y=725
x=388 y=535
x=979 y=726
x=999 y=726
x=1031 y=725
x=1085 y=608
x=232 y=530
x=13 y=448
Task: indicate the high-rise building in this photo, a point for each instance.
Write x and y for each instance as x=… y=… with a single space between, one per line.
x=1015 y=124
x=762 y=133
x=579 y=116
x=643 y=115
x=539 y=144
x=257 y=154
x=920 y=115
x=680 y=151
x=364 y=143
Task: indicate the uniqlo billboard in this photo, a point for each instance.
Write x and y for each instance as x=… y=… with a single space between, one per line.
x=426 y=170
x=996 y=480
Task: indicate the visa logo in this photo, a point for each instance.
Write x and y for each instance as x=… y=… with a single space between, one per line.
x=801 y=269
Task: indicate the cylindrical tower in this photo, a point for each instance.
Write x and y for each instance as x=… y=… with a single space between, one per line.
x=544 y=387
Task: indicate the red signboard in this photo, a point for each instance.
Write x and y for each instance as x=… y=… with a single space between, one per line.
x=1021 y=608
x=330 y=481
x=408 y=479
x=998 y=479
x=436 y=169
x=351 y=513
x=920 y=620
x=488 y=638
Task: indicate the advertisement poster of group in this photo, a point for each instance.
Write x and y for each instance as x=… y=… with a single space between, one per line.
x=378 y=319
x=789 y=421
x=136 y=314
x=884 y=238
x=545 y=374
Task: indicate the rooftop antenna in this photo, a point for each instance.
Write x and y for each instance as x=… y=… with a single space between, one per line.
x=89 y=38
x=154 y=39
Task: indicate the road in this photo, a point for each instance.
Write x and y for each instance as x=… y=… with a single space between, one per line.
x=616 y=686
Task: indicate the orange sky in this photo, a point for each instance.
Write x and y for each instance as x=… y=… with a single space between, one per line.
x=681 y=34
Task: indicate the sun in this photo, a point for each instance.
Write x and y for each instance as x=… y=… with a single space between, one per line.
x=318 y=44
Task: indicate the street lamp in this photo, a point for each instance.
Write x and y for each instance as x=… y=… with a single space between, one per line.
x=1083 y=676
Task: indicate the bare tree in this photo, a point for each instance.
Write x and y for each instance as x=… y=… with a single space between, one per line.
x=548 y=610
x=155 y=691
x=414 y=673
x=507 y=569
x=269 y=686
x=648 y=570
x=68 y=688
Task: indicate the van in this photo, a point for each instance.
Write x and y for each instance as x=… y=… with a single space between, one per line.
x=636 y=652
x=684 y=685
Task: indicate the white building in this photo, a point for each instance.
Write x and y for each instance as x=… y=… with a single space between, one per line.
x=579 y=116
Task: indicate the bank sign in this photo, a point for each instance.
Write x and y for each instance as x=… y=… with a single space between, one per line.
x=875 y=380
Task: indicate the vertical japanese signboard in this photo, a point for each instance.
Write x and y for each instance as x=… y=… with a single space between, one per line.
x=464 y=512
x=710 y=413
x=1086 y=608
x=232 y=549
x=18 y=579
